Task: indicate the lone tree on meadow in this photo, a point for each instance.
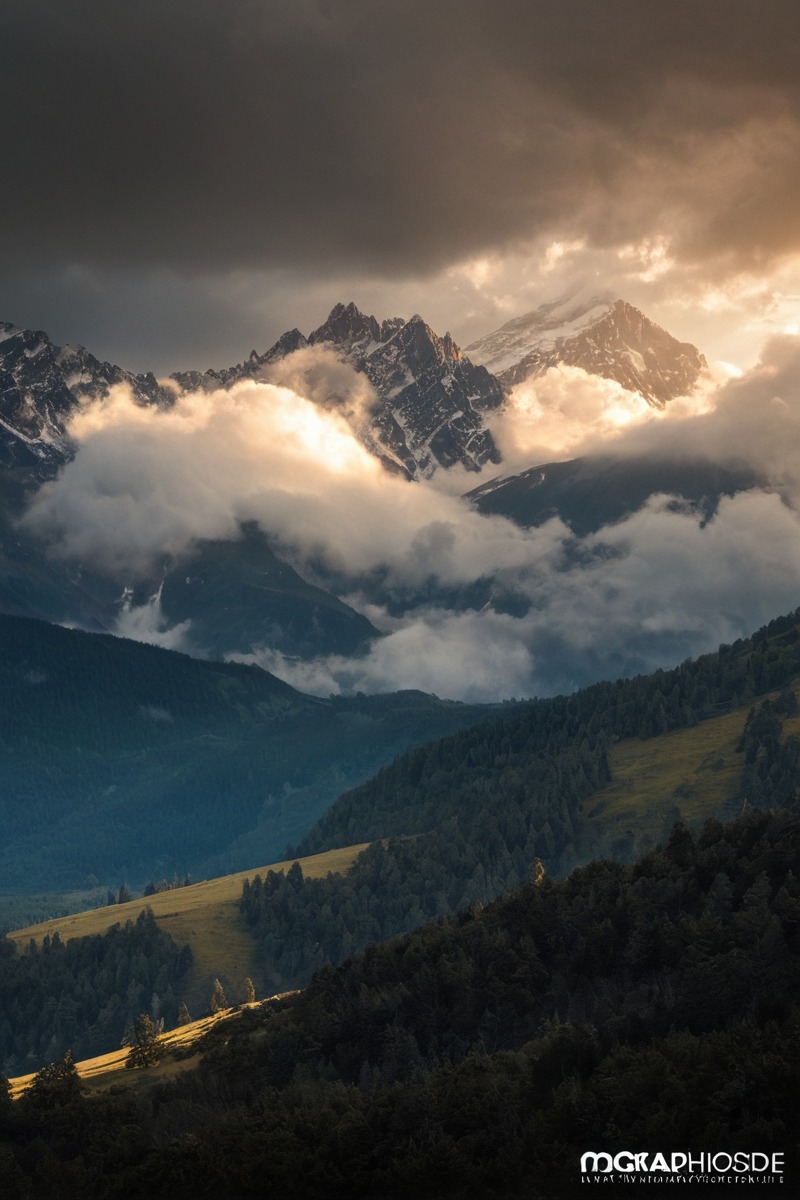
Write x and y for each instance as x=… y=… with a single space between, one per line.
x=57 y=1083
x=145 y=1048
x=219 y=1000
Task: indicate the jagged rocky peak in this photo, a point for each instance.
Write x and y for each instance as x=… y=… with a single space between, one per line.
x=430 y=398
x=346 y=326
x=426 y=347
x=627 y=346
x=357 y=333
x=41 y=387
x=602 y=335
x=390 y=326
x=539 y=330
x=287 y=343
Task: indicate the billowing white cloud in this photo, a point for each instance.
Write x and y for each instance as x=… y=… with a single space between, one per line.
x=646 y=593
x=318 y=374
x=551 y=611
x=146 y=481
x=567 y=412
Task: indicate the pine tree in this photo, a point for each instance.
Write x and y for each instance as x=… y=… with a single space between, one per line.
x=57 y=1083
x=5 y=1099
x=184 y=1017
x=249 y=991
x=219 y=1000
x=145 y=1048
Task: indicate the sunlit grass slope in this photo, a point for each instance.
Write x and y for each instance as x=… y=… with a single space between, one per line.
x=109 y=1070
x=692 y=772
x=204 y=916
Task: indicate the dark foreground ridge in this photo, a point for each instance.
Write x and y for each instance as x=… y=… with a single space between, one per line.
x=652 y=1005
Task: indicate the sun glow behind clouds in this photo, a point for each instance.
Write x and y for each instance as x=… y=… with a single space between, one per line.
x=556 y=252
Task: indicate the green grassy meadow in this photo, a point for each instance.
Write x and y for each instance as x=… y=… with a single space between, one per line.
x=204 y=916
x=695 y=771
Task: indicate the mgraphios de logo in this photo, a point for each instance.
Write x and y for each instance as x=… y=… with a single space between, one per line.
x=681 y=1167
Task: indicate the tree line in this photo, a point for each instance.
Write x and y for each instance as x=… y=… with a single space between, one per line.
x=81 y=995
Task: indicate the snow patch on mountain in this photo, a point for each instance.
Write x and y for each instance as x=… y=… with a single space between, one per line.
x=602 y=336
x=540 y=330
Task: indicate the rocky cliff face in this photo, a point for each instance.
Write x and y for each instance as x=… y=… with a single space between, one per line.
x=431 y=399
x=41 y=387
x=603 y=336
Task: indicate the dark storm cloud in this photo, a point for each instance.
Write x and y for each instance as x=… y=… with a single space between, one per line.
x=393 y=136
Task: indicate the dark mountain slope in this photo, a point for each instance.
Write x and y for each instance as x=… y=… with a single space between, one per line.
x=588 y=493
x=239 y=596
x=124 y=761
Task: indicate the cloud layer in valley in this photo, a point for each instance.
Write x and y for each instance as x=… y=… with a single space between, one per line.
x=470 y=606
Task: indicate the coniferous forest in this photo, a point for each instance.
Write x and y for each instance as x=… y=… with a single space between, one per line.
x=80 y=996
x=653 y=1003
x=467 y=817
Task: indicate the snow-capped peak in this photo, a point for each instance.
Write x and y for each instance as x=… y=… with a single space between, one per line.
x=600 y=334
x=540 y=329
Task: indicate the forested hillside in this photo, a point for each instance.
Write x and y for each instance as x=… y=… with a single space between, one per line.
x=123 y=762
x=653 y=1004
x=435 y=781
x=470 y=817
x=80 y=996
x=477 y=813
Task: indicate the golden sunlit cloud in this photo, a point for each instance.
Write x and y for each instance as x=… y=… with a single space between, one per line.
x=649 y=260
x=557 y=252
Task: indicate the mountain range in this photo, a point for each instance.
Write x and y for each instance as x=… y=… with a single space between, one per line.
x=431 y=399
x=430 y=409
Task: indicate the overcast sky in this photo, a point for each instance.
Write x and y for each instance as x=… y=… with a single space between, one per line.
x=184 y=179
